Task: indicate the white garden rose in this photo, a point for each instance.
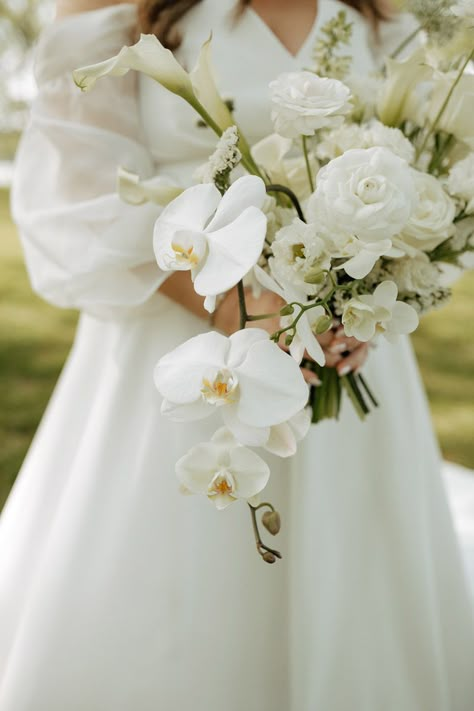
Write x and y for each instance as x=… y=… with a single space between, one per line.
x=431 y=222
x=461 y=182
x=304 y=102
x=365 y=316
x=415 y=274
x=458 y=115
x=300 y=256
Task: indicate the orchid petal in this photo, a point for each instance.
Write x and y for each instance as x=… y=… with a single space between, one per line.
x=196 y=469
x=251 y=472
x=233 y=251
x=312 y=345
x=193 y=208
x=385 y=294
x=282 y=441
x=240 y=342
x=272 y=388
x=359 y=266
x=247 y=191
x=245 y=434
x=267 y=281
x=404 y=319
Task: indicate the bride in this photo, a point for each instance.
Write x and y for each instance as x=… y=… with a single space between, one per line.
x=119 y=594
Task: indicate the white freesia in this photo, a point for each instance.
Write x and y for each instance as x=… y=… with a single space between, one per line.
x=300 y=257
x=457 y=118
x=271 y=154
x=431 y=221
x=396 y=99
x=461 y=182
x=150 y=57
x=222 y=470
x=304 y=102
x=246 y=377
x=137 y=192
x=369 y=191
x=219 y=238
x=365 y=316
x=305 y=338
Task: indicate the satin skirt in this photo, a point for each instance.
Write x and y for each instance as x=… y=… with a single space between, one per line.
x=117 y=593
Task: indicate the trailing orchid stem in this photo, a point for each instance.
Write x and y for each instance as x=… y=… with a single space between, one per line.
x=268 y=554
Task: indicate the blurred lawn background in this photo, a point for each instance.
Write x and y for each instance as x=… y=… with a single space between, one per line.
x=35 y=339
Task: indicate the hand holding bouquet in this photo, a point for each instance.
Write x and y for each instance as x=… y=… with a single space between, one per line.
x=347 y=213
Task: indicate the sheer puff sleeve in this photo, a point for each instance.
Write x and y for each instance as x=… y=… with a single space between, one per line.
x=84 y=247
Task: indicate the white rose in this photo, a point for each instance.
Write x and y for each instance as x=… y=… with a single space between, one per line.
x=461 y=181
x=431 y=221
x=457 y=118
x=303 y=103
x=299 y=254
x=365 y=191
x=380 y=312
x=416 y=275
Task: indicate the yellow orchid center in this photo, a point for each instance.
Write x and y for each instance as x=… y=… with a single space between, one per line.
x=222 y=484
x=221 y=390
x=184 y=254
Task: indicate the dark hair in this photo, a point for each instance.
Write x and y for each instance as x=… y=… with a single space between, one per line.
x=159 y=17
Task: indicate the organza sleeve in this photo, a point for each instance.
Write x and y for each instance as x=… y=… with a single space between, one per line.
x=84 y=248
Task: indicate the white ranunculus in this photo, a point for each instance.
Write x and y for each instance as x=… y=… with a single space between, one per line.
x=222 y=470
x=299 y=253
x=247 y=377
x=431 y=222
x=137 y=192
x=150 y=57
x=396 y=97
x=305 y=338
x=271 y=154
x=304 y=102
x=461 y=182
x=377 y=134
x=458 y=115
x=337 y=141
x=365 y=316
x=218 y=238
x=415 y=274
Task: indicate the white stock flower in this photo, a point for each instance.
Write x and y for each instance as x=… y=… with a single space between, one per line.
x=431 y=221
x=365 y=316
x=369 y=192
x=137 y=192
x=305 y=338
x=247 y=377
x=224 y=159
x=458 y=115
x=222 y=470
x=303 y=103
x=218 y=238
x=461 y=182
x=150 y=57
x=299 y=254
x=415 y=274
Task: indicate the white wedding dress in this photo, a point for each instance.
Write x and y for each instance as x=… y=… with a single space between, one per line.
x=116 y=592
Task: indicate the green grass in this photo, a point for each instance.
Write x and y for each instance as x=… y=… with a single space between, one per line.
x=35 y=339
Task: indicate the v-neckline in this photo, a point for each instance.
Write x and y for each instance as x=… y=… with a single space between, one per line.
x=273 y=36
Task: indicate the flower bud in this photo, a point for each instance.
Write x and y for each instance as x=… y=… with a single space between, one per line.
x=289 y=339
x=271 y=521
x=315 y=277
x=287 y=310
x=268 y=557
x=322 y=325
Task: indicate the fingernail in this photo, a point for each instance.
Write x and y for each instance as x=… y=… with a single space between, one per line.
x=338 y=348
x=344 y=371
x=314 y=380
x=340 y=331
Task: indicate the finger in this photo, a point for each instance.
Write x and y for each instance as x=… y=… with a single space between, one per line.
x=342 y=344
x=354 y=361
x=310 y=377
x=332 y=359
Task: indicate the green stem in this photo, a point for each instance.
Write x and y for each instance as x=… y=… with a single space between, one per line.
x=306 y=160
x=406 y=42
x=444 y=105
x=353 y=396
x=242 y=305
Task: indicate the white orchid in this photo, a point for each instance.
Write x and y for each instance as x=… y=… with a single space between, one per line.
x=367 y=315
x=222 y=470
x=304 y=339
x=135 y=191
x=218 y=238
x=149 y=56
x=246 y=377
x=284 y=438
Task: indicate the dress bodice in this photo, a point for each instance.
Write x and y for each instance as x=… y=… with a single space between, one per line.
x=247 y=55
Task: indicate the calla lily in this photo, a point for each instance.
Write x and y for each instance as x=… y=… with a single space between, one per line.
x=402 y=79
x=150 y=57
x=365 y=316
x=246 y=377
x=304 y=340
x=218 y=238
x=137 y=192
x=222 y=470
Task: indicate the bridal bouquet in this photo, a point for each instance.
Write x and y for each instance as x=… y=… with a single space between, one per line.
x=347 y=212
